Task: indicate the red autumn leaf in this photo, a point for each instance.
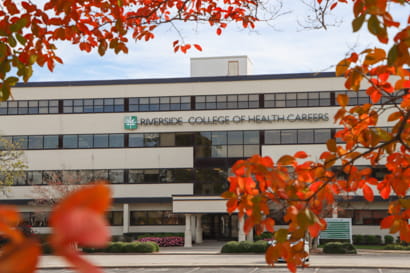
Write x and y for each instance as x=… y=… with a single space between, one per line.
x=387 y=222
x=368 y=193
x=315 y=229
x=198 y=47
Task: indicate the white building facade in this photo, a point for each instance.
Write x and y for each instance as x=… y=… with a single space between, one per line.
x=166 y=145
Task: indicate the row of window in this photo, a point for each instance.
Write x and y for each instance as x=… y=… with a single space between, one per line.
x=166 y=217
x=115 y=218
x=183 y=139
x=181 y=103
x=115 y=176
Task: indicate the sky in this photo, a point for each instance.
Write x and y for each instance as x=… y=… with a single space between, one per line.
x=279 y=47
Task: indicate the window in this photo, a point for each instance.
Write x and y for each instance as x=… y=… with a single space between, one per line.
x=151 y=140
x=100 y=141
x=70 y=141
x=135 y=176
x=85 y=141
x=35 y=142
x=116 y=140
x=34 y=178
x=115 y=218
x=136 y=140
x=116 y=176
x=51 y=142
x=167 y=139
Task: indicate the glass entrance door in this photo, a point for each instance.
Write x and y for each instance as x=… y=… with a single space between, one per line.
x=220 y=227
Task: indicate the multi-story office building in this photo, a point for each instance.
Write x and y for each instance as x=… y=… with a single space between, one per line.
x=166 y=145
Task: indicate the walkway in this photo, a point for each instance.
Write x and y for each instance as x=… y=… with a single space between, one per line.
x=208 y=255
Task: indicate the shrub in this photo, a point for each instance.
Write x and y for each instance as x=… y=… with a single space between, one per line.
x=115 y=247
x=388 y=239
x=396 y=247
x=357 y=239
x=230 y=247
x=339 y=248
x=245 y=247
x=147 y=247
x=259 y=246
x=131 y=247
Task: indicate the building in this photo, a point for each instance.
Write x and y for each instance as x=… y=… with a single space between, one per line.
x=166 y=145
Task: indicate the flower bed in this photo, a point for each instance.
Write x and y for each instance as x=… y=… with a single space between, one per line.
x=164 y=241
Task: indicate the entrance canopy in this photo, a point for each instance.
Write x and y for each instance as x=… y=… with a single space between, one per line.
x=198 y=204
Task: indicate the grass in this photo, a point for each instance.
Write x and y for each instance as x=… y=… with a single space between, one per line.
x=375 y=247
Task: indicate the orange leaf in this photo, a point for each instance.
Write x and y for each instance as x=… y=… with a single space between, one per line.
x=94 y=197
x=394 y=116
x=286 y=160
x=300 y=154
x=20 y=258
x=82 y=226
x=342 y=99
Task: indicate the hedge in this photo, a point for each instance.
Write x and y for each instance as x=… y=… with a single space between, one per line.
x=339 y=248
x=125 y=247
x=245 y=247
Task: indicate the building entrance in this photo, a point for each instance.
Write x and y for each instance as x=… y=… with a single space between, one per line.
x=221 y=227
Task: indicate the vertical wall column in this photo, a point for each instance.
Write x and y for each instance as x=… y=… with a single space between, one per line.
x=198 y=231
x=334 y=210
x=193 y=227
x=241 y=233
x=125 y=218
x=188 y=233
x=249 y=236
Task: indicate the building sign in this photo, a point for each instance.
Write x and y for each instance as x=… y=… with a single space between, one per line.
x=232 y=119
x=130 y=123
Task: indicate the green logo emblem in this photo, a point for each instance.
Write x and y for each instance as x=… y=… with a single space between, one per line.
x=130 y=123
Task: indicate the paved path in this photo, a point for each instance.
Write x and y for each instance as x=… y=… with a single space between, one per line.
x=208 y=255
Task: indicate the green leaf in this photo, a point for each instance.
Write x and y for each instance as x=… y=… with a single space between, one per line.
x=11 y=81
x=373 y=25
x=12 y=42
x=5 y=92
x=21 y=39
x=281 y=235
x=18 y=26
x=392 y=55
x=358 y=22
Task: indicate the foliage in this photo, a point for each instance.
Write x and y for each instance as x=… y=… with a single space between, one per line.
x=245 y=247
x=160 y=234
x=339 y=248
x=77 y=220
x=29 y=30
x=164 y=241
x=264 y=236
x=305 y=188
x=12 y=165
x=388 y=239
x=396 y=247
x=367 y=239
